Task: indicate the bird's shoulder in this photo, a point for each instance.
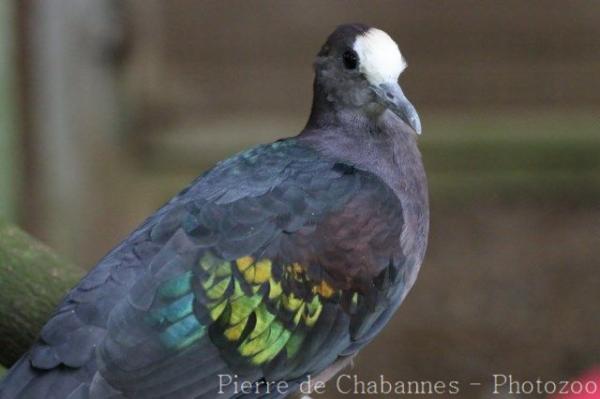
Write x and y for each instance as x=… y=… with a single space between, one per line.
x=255 y=171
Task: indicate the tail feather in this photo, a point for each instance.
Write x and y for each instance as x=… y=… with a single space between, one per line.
x=20 y=375
x=23 y=381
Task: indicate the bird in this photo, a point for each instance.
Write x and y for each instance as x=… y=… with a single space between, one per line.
x=277 y=265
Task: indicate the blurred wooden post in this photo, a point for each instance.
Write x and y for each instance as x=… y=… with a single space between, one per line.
x=9 y=159
x=75 y=114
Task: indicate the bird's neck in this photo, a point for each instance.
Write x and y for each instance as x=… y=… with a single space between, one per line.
x=326 y=113
x=367 y=136
x=384 y=145
x=375 y=140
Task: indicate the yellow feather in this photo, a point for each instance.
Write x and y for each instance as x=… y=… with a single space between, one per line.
x=249 y=274
x=274 y=288
x=244 y=262
x=324 y=289
x=262 y=271
x=297 y=268
x=291 y=302
x=235 y=332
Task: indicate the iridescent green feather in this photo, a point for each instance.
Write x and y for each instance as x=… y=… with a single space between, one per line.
x=312 y=311
x=294 y=343
x=263 y=320
x=269 y=335
x=173 y=311
x=276 y=341
x=241 y=307
x=217 y=290
x=182 y=333
x=253 y=345
x=176 y=287
x=217 y=310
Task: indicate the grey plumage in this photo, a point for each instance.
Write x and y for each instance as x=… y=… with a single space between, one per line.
x=345 y=201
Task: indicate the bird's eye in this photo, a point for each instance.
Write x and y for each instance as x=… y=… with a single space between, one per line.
x=350 y=59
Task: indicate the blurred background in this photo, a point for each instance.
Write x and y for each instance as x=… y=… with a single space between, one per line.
x=108 y=108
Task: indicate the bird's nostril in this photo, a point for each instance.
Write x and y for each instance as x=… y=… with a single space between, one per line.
x=389 y=95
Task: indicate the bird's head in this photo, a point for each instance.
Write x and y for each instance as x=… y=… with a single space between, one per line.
x=358 y=67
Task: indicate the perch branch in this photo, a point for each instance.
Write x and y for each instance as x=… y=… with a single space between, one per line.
x=32 y=281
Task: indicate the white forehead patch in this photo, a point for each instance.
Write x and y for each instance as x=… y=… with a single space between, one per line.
x=379 y=57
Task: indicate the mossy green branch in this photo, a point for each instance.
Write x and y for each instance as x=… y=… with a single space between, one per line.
x=32 y=281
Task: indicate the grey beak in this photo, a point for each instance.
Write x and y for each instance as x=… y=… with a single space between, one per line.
x=391 y=96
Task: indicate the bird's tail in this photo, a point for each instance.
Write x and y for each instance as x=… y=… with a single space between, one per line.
x=16 y=379
x=23 y=381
